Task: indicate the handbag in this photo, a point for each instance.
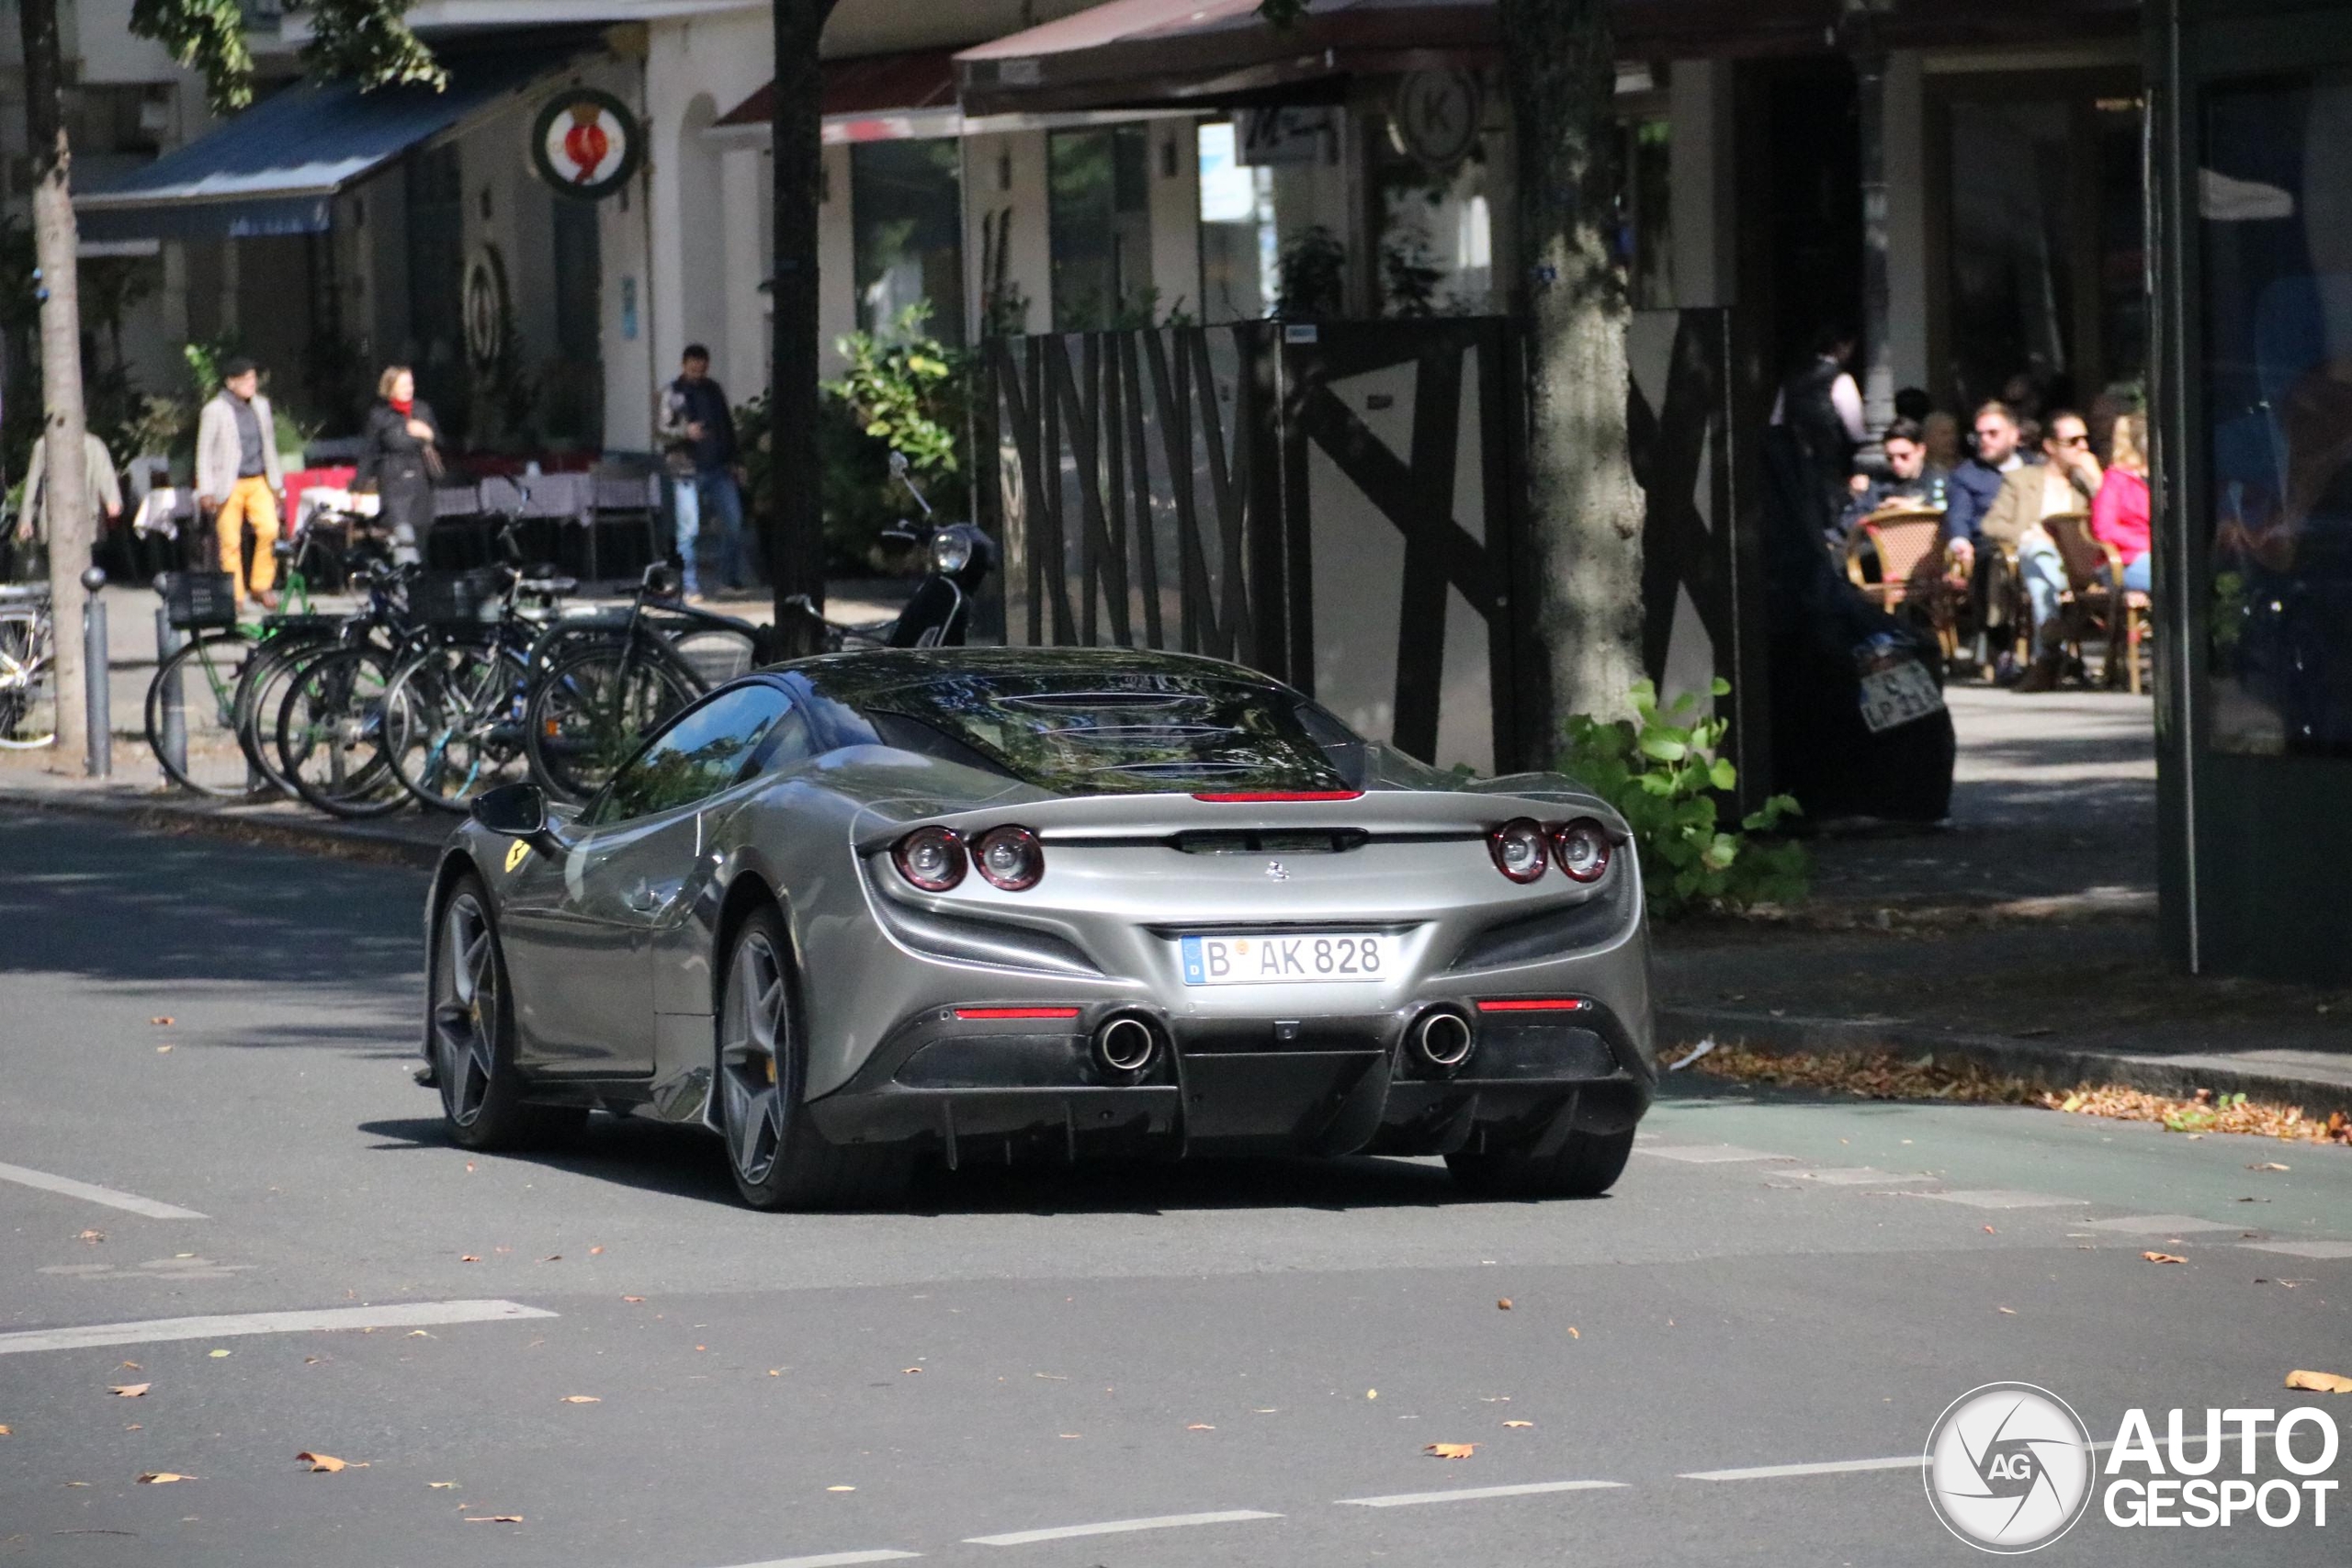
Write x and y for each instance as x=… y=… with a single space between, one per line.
x=434 y=466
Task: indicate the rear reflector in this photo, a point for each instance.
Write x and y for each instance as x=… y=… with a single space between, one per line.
x=1267 y=796
x=1547 y=1004
x=969 y=1013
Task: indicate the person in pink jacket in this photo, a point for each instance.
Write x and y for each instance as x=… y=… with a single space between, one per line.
x=2120 y=512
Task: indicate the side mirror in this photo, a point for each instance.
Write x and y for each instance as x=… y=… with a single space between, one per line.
x=898 y=464
x=515 y=810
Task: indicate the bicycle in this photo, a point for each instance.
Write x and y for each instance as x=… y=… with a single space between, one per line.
x=455 y=705
x=28 y=669
x=328 y=729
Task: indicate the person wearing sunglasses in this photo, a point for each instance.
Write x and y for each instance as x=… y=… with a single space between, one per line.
x=2065 y=480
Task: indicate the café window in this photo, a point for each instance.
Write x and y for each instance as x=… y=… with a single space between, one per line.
x=908 y=225
x=1099 y=183
x=1436 y=243
x=2274 y=168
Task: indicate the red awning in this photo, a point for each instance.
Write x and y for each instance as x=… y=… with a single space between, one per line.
x=876 y=84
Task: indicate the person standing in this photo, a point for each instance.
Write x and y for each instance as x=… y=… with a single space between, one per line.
x=1822 y=408
x=700 y=429
x=99 y=484
x=402 y=459
x=238 y=473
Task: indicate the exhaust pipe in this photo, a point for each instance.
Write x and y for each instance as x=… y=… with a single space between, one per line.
x=1442 y=1039
x=1125 y=1045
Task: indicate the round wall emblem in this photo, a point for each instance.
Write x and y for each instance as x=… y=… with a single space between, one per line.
x=486 y=307
x=585 y=142
x=1436 y=114
x=2008 y=1468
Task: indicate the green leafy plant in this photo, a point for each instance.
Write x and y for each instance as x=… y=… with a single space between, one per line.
x=905 y=388
x=1660 y=769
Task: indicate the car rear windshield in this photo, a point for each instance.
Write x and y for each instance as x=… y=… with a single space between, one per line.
x=1120 y=734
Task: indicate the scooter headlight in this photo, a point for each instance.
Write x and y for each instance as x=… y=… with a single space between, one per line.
x=951 y=552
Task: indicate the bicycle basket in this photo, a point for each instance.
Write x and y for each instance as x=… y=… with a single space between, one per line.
x=455 y=599
x=715 y=656
x=196 y=601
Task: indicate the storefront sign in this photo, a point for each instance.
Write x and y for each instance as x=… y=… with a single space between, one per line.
x=1436 y=114
x=1282 y=136
x=486 y=309
x=585 y=142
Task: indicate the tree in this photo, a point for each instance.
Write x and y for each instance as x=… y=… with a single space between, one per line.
x=795 y=529
x=1585 y=508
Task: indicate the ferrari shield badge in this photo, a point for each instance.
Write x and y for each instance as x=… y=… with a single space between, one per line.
x=516 y=853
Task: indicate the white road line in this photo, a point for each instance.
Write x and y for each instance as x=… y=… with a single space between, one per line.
x=2157 y=1225
x=1117 y=1526
x=2319 y=1249
x=1706 y=1154
x=89 y=1193
x=1999 y=1198
x=835 y=1560
x=1833 y=1467
x=155 y=1331
x=1856 y=1176
x=1470 y=1494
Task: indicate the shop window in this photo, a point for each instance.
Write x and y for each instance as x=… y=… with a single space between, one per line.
x=1436 y=242
x=1100 y=191
x=2276 y=381
x=1239 y=246
x=907 y=216
x=1646 y=214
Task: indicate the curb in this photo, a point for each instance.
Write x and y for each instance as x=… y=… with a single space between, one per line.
x=2055 y=1066
x=162 y=814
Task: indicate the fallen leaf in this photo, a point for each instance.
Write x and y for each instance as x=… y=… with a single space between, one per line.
x=77 y=1483
x=1065 y=1434
x=5 y=1432
x=2011 y=1311
x=496 y=1519
x=217 y=1355
x=1372 y=1393
x=320 y=1464
x=159 y=1020
x=93 y=1237
x=775 y=1372
x=162 y=1050
x=1450 y=1451
x=469 y=1257
x=162 y=1478
x=1503 y=1304
x=1050 y=1376
x=442 y=1485
x=2162 y=1258
x=1572 y=1332
x=2268 y=1164
x=1990 y=1231
x=418 y=1334
x=2320 y=1383
x=595 y=1252
x=583 y=1399
x=909 y=1371
x=1519 y=1423
x=470 y=1166
x=128 y=1365
x=840 y=1488
x=553 y=1257
x=1200 y=1426
x=128 y=1390
x=632 y=1298
x=132 y=1426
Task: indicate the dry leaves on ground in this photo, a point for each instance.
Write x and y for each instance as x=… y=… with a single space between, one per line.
x=322 y=1465
x=494 y=1519
x=2320 y=1383
x=128 y=1390
x=1519 y=1423
x=583 y=1399
x=5 y=1431
x=1885 y=1075
x=1450 y=1451
x=92 y=1237
x=162 y=1478
x=442 y=1485
x=2161 y=1258
x=159 y=1020
x=1504 y=1305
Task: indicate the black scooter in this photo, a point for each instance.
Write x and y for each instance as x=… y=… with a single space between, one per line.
x=960 y=557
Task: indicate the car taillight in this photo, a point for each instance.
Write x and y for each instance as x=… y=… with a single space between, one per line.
x=1010 y=858
x=930 y=858
x=1582 y=850
x=1518 y=849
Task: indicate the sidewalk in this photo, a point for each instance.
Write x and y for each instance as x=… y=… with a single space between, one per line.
x=2022 y=935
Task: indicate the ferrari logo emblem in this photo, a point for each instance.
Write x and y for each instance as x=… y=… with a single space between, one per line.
x=516 y=853
x=1274 y=869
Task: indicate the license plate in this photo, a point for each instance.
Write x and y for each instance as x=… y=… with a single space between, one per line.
x=1897 y=695
x=1287 y=960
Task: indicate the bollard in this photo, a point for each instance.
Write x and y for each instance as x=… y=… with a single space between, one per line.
x=173 y=728
x=96 y=677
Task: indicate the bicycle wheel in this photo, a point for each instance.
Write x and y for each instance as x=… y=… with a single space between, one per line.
x=586 y=717
x=455 y=731
x=192 y=719
x=261 y=690
x=27 y=683
x=332 y=734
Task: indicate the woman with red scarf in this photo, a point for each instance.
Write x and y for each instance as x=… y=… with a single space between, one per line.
x=402 y=459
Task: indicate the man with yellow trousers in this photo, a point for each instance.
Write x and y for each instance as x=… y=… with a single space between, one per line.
x=238 y=473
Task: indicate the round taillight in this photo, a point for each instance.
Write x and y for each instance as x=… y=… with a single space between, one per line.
x=1518 y=848
x=1010 y=858
x=1582 y=850
x=930 y=858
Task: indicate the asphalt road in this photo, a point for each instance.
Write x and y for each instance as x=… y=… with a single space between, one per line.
x=1775 y=1283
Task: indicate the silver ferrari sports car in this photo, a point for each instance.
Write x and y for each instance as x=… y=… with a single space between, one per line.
x=985 y=904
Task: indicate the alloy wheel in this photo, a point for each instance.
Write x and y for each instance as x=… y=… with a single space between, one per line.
x=464 y=1010
x=754 y=1029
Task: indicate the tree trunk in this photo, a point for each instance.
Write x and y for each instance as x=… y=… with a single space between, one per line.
x=795 y=538
x=54 y=244
x=1584 y=507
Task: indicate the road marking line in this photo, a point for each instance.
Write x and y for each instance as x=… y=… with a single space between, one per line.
x=155 y=1331
x=1117 y=1526
x=1833 y=1467
x=2320 y=1249
x=1470 y=1494
x=1856 y=1175
x=1999 y=1198
x=835 y=1560
x=1708 y=1154
x=91 y=1193
x=2157 y=1225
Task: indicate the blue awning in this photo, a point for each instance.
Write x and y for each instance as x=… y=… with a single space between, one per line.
x=275 y=168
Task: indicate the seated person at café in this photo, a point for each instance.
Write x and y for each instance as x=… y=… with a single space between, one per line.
x=2065 y=480
x=2120 y=512
x=1904 y=483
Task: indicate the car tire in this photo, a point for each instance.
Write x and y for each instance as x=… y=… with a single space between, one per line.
x=775 y=1153
x=471 y=1026
x=1585 y=1165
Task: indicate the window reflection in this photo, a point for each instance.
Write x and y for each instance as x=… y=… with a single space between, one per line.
x=2272 y=199
x=703 y=752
